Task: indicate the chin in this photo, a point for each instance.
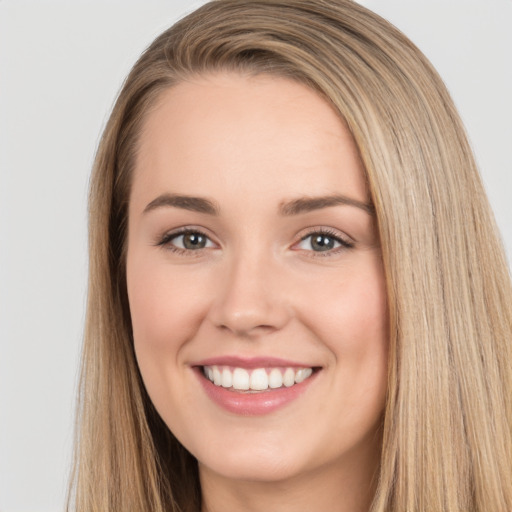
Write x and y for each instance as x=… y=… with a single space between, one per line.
x=259 y=467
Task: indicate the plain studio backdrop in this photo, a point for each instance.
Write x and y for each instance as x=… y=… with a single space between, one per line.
x=61 y=65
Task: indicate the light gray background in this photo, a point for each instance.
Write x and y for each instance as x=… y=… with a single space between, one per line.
x=61 y=65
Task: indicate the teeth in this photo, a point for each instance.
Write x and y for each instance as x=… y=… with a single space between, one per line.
x=289 y=377
x=302 y=375
x=275 y=378
x=259 y=379
x=227 y=378
x=240 y=379
x=217 y=376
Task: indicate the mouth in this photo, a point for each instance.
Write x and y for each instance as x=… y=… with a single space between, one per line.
x=256 y=380
x=257 y=386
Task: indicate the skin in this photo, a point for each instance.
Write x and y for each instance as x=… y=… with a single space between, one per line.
x=258 y=288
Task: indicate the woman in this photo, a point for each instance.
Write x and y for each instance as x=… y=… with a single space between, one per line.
x=297 y=294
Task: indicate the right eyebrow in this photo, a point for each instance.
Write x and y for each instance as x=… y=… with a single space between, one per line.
x=195 y=204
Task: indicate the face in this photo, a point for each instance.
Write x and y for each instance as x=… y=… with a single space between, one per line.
x=253 y=262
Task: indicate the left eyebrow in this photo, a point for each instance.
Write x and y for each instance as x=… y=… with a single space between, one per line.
x=309 y=204
x=195 y=204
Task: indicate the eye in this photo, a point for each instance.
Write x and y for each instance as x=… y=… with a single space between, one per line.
x=322 y=241
x=186 y=241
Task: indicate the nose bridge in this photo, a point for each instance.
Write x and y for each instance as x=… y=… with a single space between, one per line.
x=251 y=296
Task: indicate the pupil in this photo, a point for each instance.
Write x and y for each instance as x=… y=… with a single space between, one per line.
x=194 y=241
x=322 y=243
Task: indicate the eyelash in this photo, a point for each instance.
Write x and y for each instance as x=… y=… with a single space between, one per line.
x=328 y=233
x=166 y=240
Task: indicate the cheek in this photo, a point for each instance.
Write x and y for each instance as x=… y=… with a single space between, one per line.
x=164 y=306
x=364 y=316
x=352 y=321
x=351 y=313
x=166 y=312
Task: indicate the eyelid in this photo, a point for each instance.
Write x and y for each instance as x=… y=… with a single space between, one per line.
x=166 y=238
x=343 y=239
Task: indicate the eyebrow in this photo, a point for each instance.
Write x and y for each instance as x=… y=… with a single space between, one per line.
x=309 y=204
x=195 y=204
x=288 y=208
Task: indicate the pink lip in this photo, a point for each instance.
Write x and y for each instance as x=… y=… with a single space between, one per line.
x=250 y=362
x=251 y=404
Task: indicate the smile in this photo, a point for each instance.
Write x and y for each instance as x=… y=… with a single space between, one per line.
x=257 y=379
x=254 y=386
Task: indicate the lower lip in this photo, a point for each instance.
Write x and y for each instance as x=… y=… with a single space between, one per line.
x=253 y=404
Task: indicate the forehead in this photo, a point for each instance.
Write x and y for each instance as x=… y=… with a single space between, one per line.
x=227 y=132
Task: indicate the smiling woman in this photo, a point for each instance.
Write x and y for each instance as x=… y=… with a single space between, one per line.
x=286 y=290
x=255 y=300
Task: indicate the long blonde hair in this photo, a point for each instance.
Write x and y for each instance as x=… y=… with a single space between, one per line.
x=447 y=435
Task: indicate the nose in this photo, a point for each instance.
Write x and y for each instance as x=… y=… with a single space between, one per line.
x=251 y=298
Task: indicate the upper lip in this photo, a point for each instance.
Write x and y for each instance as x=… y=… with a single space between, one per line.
x=251 y=362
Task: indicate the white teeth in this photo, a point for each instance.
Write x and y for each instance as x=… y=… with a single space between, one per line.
x=217 y=377
x=241 y=379
x=302 y=375
x=227 y=378
x=259 y=379
x=289 y=377
x=275 y=378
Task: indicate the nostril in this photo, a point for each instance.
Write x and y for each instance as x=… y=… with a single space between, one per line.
x=249 y=301
x=248 y=331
